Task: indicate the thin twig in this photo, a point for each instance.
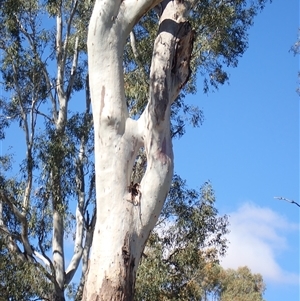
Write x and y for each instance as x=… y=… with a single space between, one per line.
x=287 y=200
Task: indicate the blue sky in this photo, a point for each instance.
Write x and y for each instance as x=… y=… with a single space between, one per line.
x=248 y=147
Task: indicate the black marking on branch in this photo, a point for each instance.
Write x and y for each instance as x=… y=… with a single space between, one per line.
x=287 y=200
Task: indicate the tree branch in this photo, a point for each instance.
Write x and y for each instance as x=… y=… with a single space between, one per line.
x=74 y=263
x=108 y=10
x=59 y=53
x=169 y=72
x=21 y=216
x=287 y=200
x=79 y=215
x=75 y=55
x=106 y=67
x=51 y=277
x=134 y=10
x=11 y=244
x=112 y=21
x=44 y=70
x=85 y=255
x=42 y=258
x=65 y=51
x=29 y=166
x=82 y=201
x=136 y=55
x=73 y=70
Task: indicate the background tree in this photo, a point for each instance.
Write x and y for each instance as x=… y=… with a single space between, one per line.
x=241 y=285
x=20 y=280
x=43 y=64
x=181 y=260
x=36 y=202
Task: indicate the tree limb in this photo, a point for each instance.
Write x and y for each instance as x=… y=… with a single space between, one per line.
x=73 y=70
x=21 y=216
x=11 y=245
x=134 y=10
x=42 y=258
x=169 y=72
x=287 y=200
x=59 y=53
x=85 y=255
x=44 y=70
x=136 y=55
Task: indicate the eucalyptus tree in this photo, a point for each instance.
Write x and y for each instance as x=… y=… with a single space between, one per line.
x=20 y=280
x=181 y=260
x=143 y=59
x=43 y=63
x=241 y=285
x=127 y=211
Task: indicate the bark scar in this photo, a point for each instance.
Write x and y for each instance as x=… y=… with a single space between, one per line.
x=183 y=51
x=129 y=263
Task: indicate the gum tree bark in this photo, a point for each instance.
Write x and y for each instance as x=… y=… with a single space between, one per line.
x=125 y=216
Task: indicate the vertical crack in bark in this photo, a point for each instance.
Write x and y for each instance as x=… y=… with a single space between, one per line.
x=122 y=290
x=129 y=268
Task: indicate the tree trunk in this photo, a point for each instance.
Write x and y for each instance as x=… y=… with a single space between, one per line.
x=126 y=214
x=57 y=295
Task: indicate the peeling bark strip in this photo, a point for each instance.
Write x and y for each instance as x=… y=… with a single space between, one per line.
x=108 y=292
x=183 y=51
x=177 y=48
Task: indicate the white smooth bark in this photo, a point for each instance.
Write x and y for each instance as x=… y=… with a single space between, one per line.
x=62 y=276
x=79 y=232
x=124 y=221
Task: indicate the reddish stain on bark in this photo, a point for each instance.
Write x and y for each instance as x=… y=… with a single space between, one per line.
x=102 y=99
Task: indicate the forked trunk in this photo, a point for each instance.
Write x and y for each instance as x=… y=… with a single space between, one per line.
x=127 y=212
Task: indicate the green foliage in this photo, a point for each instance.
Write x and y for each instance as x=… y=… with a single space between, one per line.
x=189 y=238
x=50 y=171
x=20 y=280
x=241 y=285
x=182 y=257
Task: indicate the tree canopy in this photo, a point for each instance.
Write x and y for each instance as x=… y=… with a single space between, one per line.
x=182 y=259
